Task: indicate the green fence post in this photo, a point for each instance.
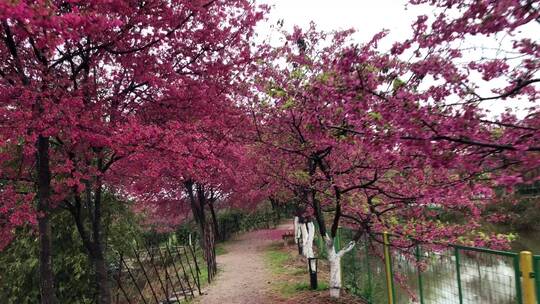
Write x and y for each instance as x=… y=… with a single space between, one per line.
x=517 y=275
x=420 y=285
x=458 y=272
x=354 y=254
x=368 y=265
x=388 y=268
x=536 y=271
x=319 y=243
x=337 y=247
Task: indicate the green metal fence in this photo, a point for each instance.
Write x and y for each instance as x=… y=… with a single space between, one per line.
x=488 y=276
x=431 y=274
x=536 y=270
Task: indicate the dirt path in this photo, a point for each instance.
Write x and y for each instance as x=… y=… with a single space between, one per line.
x=243 y=277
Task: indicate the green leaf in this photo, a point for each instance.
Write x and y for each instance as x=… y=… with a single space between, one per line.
x=288 y=104
x=398 y=83
x=375 y=115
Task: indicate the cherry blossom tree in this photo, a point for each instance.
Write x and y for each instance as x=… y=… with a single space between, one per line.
x=86 y=84
x=450 y=71
x=372 y=151
x=150 y=100
x=196 y=168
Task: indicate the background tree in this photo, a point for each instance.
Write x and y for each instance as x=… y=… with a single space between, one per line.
x=86 y=84
x=377 y=153
x=196 y=173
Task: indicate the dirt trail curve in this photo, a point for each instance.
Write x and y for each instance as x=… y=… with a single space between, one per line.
x=243 y=277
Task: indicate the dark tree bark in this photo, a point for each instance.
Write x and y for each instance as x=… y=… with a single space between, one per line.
x=43 y=182
x=98 y=255
x=276 y=208
x=214 y=219
x=207 y=239
x=46 y=275
x=101 y=276
x=93 y=240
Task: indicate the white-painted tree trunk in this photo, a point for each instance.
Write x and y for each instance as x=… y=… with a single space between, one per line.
x=308 y=235
x=296 y=229
x=334 y=259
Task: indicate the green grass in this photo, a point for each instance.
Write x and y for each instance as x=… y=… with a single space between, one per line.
x=289 y=290
x=220 y=249
x=291 y=279
x=298 y=271
x=203 y=277
x=277 y=259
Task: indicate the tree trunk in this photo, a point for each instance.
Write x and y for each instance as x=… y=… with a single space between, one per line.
x=297 y=229
x=308 y=235
x=207 y=239
x=93 y=239
x=208 y=245
x=334 y=259
x=210 y=251
x=100 y=266
x=101 y=277
x=46 y=274
x=97 y=258
x=43 y=184
x=214 y=220
x=276 y=208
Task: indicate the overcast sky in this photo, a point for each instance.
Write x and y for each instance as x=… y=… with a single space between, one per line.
x=368 y=17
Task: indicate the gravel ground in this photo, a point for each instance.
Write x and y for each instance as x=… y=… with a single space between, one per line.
x=243 y=276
